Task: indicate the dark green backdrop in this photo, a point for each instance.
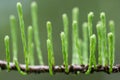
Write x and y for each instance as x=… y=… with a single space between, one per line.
x=52 y=10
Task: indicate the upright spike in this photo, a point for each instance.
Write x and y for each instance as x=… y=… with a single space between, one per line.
x=75 y=55
x=90 y=19
x=85 y=43
x=75 y=14
x=6 y=41
x=50 y=56
x=103 y=21
x=64 y=52
x=92 y=59
x=112 y=29
x=21 y=21
x=79 y=50
x=14 y=36
x=111 y=50
x=30 y=45
x=49 y=31
x=66 y=31
x=101 y=57
x=36 y=32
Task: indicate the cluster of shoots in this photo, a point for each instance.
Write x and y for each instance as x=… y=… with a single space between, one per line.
x=84 y=51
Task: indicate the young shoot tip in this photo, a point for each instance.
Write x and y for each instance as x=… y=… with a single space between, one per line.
x=111 y=22
x=6 y=38
x=12 y=17
x=85 y=24
x=19 y=4
x=48 y=23
x=62 y=34
x=74 y=22
x=48 y=41
x=64 y=15
x=90 y=15
x=110 y=34
x=75 y=9
x=33 y=4
x=30 y=27
x=93 y=36
x=102 y=15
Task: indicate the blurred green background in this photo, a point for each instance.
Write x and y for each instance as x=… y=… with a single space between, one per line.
x=52 y=10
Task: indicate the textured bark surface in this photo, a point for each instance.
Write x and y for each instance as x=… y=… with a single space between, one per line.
x=59 y=69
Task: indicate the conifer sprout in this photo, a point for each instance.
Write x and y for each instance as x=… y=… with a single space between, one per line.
x=18 y=68
x=75 y=14
x=36 y=32
x=104 y=39
x=14 y=42
x=66 y=30
x=112 y=26
x=92 y=58
x=112 y=29
x=21 y=22
x=13 y=36
x=83 y=50
x=75 y=17
x=32 y=54
x=75 y=55
x=49 y=31
x=100 y=51
x=6 y=41
x=111 y=50
x=79 y=49
x=85 y=43
x=90 y=20
x=64 y=51
x=50 y=56
x=30 y=45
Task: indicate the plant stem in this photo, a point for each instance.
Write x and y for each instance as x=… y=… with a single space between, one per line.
x=36 y=32
x=64 y=51
x=6 y=41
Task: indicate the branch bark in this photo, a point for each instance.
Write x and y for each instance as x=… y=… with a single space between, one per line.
x=59 y=69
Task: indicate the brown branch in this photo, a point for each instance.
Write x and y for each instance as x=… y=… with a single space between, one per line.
x=59 y=69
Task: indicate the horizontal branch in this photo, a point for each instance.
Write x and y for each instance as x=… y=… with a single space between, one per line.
x=59 y=69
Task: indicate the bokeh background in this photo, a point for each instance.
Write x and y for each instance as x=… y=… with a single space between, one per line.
x=52 y=11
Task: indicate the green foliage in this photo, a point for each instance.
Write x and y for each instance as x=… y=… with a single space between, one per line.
x=36 y=32
x=64 y=51
x=50 y=56
x=6 y=40
x=81 y=55
x=20 y=15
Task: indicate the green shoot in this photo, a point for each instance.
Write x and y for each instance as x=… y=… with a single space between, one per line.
x=90 y=20
x=14 y=36
x=112 y=29
x=103 y=22
x=6 y=41
x=36 y=32
x=64 y=51
x=79 y=49
x=50 y=56
x=66 y=26
x=20 y=14
x=74 y=42
x=30 y=45
x=85 y=43
x=75 y=14
x=18 y=68
x=92 y=59
x=100 y=51
x=49 y=31
x=111 y=50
